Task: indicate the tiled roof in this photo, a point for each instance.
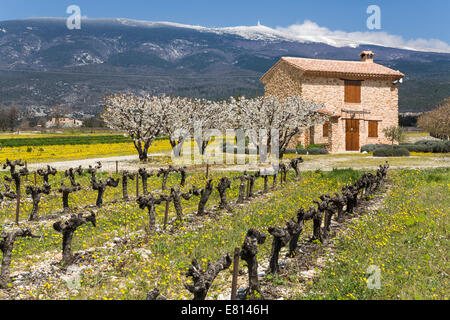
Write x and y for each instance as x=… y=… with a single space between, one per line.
x=339 y=68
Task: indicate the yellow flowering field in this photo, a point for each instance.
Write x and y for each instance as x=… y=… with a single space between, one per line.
x=74 y=152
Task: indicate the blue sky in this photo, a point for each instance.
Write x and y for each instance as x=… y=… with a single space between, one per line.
x=411 y=19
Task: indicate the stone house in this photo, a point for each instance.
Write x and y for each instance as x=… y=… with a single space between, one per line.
x=63 y=123
x=361 y=98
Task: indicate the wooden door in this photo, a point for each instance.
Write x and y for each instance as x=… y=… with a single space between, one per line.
x=351 y=135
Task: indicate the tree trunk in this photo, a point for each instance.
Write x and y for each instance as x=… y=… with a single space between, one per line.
x=125 y=187
x=144 y=185
x=143 y=155
x=327 y=223
x=165 y=173
x=67 y=228
x=283 y=177
x=266 y=184
x=339 y=203
x=100 y=186
x=151 y=218
x=149 y=202
x=18 y=194
x=222 y=187
x=317 y=229
x=251 y=185
x=249 y=252
x=6 y=246
x=67 y=256
x=66 y=201
x=202 y=279
x=101 y=192
x=144 y=174
x=176 y=146
x=280 y=238
x=182 y=171
x=177 y=205
x=176 y=196
x=164 y=182
x=65 y=195
x=6 y=262
x=293 y=243
x=36 y=194
x=34 y=211
x=242 y=179
x=204 y=196
x=294 y=164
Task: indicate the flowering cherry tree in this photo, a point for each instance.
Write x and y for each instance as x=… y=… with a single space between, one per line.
x=140 y=116
x=288 y=117
x=207 y=117
x=146 y=117
x=177 y=117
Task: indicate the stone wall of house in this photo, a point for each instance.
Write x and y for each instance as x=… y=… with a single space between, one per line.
x=283 y=82
x=318 y=135
x=379 y=97
x=329 y=91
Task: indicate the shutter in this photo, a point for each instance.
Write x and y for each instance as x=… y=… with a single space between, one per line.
x=373 y=129
x=352 y=91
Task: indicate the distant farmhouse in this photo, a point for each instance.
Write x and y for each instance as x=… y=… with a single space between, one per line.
x=63 y=123
x=361 y=98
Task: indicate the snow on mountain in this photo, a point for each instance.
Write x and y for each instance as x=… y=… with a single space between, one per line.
x=308 y=32
x=265 y=33
x=86 y=59
x=258 y=32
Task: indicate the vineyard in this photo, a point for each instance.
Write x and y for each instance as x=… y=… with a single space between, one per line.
x=170 y=231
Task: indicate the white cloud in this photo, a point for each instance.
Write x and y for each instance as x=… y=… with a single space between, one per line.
x=311 y=30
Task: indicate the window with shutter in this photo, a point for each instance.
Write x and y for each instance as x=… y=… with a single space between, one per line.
x=325 y=129
x=352 y=91
x=373 y=129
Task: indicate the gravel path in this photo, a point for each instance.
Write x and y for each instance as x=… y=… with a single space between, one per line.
x=108 y=164
x=325 y=163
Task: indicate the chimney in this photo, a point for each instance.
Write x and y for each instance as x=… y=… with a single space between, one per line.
x=366 y=56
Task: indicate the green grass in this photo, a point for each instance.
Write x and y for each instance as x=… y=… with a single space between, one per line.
x=407 y=239
x=63 y=140
x=341 y=175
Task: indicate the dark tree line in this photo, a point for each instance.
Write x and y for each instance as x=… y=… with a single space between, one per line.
x=9 y=118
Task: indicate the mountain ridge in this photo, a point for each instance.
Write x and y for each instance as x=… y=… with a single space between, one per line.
x=244 y=31
x=44 y=63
